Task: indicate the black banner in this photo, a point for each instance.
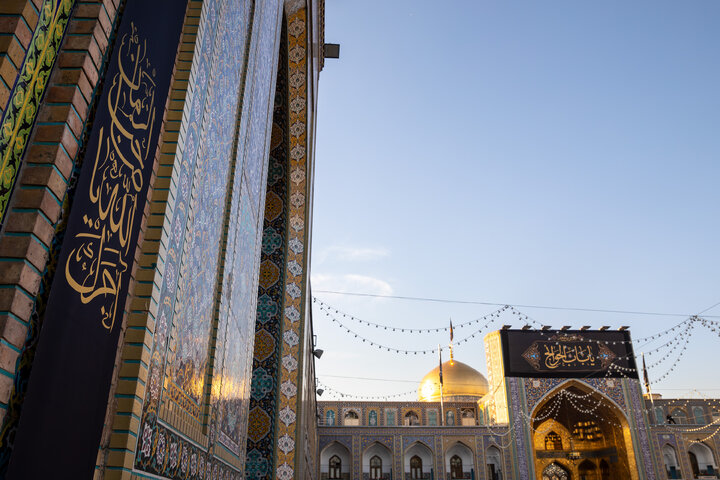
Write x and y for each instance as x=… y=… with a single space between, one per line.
x=568 y=354
x=62 y=417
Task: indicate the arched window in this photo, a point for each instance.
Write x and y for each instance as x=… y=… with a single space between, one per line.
x=335 y=468
x=553 y=441
x=416 y=467
x=481 y=417
x=411 y=418
x=699 y=415
x=679 y=416
x=432 y=418
x=351 y=418
x=468 y=417
x=390 y=418
x=456 y=467
x=330 y=418
x=375 y=468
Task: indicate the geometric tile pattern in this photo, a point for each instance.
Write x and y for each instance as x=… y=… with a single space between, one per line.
x=640 y=430
x=520 y=438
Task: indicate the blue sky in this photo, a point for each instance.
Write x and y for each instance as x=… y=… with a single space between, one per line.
x=556 y=153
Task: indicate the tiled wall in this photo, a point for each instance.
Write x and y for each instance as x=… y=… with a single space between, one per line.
x=195 y=312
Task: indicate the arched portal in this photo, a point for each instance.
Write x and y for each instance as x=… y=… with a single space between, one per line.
x=377 y=462
x=671 y=462
x=459 y=461
x=335 y=462
x=418 y=461
x=702 y=460
x=581 y=430
x=494 y=463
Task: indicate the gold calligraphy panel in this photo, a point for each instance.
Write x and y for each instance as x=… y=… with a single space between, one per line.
x=100 y=258
x=568 y=353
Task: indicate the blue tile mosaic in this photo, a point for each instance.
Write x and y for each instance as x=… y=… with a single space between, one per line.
x=206 y=316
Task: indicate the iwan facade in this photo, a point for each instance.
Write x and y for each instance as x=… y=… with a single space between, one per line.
x=559 y=405
x=156 y=197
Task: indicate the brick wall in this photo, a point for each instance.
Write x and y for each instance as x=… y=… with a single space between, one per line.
x=18 y=19
x=28 y=234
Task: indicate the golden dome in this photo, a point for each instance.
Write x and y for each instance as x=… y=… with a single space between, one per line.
x=460 y=382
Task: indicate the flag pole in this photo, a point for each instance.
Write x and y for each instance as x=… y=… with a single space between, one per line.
x=442 y=407
x=647 y=384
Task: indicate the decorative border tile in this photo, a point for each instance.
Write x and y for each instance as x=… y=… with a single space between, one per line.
x=295 y=285
x=24 y=104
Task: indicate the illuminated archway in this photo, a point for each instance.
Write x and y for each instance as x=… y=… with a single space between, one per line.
x=589 y=427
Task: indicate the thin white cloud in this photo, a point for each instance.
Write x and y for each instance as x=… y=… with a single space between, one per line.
x=351 y=283
x=352 y=254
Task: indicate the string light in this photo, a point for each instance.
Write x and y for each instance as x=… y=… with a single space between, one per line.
x=403 y=329
x=364 y=397
x=678 y=343
x=490 y=318
x=701 y=440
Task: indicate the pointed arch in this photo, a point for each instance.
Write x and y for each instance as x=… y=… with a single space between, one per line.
x=586 y=387
x=618 y=428
x=377 y=461
x=335 y=462
x=459 y=460
x=670 y=460
x=411 y=418
x=418 y=460
x=494 y=462
x=351 y=417
x=702 y=460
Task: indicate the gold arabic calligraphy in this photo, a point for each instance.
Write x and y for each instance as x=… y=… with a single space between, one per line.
x=95 y=268
x=568 y=355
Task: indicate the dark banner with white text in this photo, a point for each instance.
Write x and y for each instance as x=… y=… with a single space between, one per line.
x=568 y=354
x=62 y=417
